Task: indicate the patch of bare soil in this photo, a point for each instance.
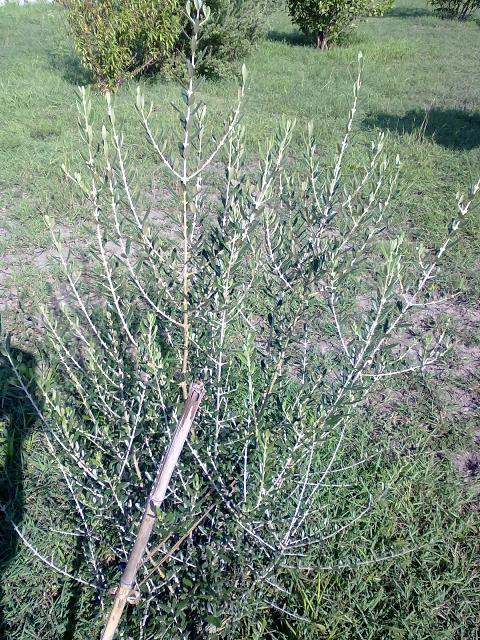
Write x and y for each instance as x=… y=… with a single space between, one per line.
x=454 y=387
x=467 y=464
x=462 y=388
x=18 y=267
x=27 y=273
x=457 y=378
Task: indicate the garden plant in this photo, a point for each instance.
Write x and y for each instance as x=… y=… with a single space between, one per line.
x=327 y=20
x=117 y=41
x=282 y=290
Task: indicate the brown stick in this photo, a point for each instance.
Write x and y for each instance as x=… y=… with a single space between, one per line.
x=177 y=544
x=157 y=495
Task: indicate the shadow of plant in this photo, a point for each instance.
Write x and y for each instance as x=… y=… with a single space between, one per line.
x=298 y=39
x=409 y=12
x=70 y=68
x=421 y=12
x=451 y=128
x=16 y=423
x=293 y=38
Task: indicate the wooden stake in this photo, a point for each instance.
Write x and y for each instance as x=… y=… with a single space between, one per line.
x=155 y=499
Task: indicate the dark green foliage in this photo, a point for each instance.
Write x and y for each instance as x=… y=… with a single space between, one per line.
x=327 y=20
x=235 y=26
x=116 y=40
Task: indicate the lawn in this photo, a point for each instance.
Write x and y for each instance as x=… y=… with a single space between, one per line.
x=421 y=85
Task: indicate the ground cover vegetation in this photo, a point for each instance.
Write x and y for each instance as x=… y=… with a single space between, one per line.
x=321 y=504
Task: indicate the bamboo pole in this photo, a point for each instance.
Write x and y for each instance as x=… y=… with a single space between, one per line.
x=155 y=499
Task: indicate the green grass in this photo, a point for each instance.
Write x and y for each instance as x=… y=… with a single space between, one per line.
x=421 y=85
x=417 y=66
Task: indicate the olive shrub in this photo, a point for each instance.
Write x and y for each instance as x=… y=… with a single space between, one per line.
x=283 y=291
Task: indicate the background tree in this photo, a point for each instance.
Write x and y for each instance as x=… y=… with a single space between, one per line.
x=326 y=20
x=116 y=40
x=119 y=40
x=233 y=28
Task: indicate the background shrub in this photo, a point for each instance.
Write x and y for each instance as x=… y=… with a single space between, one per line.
x=234 y=27
x=455 y=8
x=116 y=40
x=326 y=20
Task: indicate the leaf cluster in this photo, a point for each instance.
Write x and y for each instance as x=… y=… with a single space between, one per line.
x=327 y=20
x=116 y=40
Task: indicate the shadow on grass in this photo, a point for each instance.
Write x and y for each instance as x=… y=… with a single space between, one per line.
x=294 y=38
x=298 y=39
x=70 y=68
x=409 y=12
x=451 y=128
x=17 y=420
x=421 y=12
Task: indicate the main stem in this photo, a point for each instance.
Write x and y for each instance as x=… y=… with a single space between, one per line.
x=321 y=40
x=186 y=123
x=155 y=499
x=186 y=327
